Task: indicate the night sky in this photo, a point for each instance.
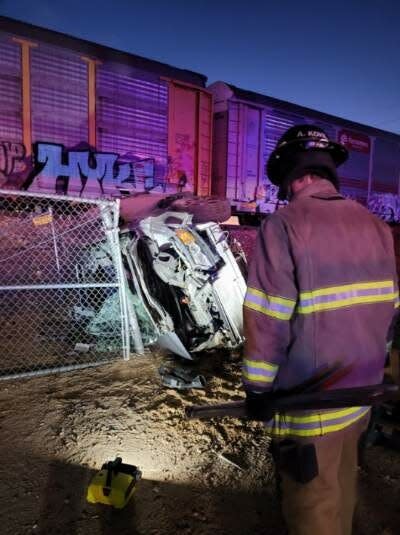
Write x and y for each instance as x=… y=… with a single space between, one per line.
x=339 y=57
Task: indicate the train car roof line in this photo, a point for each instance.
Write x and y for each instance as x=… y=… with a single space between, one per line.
x=258 y=98
x=99 y=51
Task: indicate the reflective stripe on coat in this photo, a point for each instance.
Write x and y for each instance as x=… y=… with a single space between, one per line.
x=322 y=288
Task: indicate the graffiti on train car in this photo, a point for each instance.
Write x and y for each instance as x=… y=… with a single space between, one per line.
x=77 y=171
x=53 y=168
x=12 y=162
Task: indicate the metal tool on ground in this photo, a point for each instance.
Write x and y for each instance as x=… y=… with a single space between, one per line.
x=181 y=379
x=309 y=395
x=114 y=485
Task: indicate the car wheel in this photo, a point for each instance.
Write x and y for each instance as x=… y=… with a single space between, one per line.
x=204 y=209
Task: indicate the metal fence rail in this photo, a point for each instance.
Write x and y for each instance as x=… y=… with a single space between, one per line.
x=62 y=288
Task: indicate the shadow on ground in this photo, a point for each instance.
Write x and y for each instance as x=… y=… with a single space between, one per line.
x=54 y=503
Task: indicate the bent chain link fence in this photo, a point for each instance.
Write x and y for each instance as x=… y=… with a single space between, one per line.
x=62 y=288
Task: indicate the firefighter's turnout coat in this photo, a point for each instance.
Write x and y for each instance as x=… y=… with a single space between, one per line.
x=322 y=288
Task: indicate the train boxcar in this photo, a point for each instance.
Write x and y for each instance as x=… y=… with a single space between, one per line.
x=79 y=118
x=247 y=126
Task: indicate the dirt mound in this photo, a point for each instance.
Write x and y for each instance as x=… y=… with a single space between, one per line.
x=199 y=477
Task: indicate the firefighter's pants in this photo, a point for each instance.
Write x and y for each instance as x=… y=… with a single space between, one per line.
x=325 y=505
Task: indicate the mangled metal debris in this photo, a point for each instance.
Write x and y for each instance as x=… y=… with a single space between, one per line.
x=186 y=280
x=180 y=379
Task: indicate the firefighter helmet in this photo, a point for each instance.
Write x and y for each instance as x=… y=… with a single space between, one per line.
x=304 y=149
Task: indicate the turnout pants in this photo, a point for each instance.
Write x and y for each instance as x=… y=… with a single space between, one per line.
x=324 y=505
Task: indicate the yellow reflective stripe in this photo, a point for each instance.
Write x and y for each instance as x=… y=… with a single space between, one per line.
x=261 y=365
x=320 y=416
x=275 y=430
x=362 y=299
x=338 y=427
x=275 y=307
x=346 y=288
x=268 y=312
x=271 y=298
x=258 y=371
x=335 y=297
x=257 y=378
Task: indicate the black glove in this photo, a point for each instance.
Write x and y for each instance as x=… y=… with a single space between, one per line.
x=258 y=405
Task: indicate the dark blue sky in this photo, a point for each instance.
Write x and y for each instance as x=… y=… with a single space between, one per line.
x=340 y=57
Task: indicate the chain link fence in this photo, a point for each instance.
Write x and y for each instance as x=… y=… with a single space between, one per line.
x=62 y=287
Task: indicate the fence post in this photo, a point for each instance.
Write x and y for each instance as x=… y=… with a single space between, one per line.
x=128 y=315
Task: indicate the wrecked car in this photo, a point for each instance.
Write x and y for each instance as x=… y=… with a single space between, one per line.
x=185 y=274
x=82 y=287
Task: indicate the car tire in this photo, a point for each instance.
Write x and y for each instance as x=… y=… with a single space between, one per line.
x=204 y=209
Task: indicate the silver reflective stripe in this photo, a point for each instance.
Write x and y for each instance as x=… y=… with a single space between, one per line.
x=348 y=295
x=315 y=424
x=259 y=374
x=276 y=307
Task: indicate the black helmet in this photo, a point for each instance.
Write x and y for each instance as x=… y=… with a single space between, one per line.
x=304 y=149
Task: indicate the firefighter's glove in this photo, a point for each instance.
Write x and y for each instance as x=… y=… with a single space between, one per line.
x=258 y=405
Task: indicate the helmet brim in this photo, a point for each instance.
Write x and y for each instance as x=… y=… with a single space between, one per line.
x=276 y=161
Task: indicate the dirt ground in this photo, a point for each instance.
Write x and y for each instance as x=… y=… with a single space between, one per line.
x=199 y=477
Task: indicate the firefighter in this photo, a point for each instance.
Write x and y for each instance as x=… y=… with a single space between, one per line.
x=322 y=288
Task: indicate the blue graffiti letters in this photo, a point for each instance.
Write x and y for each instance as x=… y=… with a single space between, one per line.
x=76 y=171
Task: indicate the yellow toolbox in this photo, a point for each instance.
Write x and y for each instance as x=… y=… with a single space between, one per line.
x=114 y=485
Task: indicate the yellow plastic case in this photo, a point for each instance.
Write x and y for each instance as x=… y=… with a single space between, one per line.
x=114 y=485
